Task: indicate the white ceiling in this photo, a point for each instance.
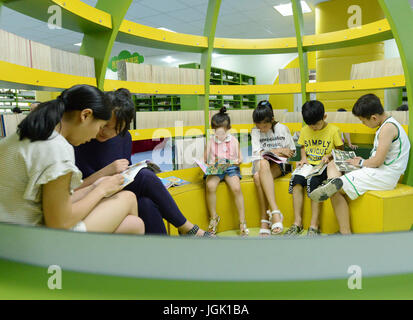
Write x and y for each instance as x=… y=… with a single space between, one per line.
x=237 y=19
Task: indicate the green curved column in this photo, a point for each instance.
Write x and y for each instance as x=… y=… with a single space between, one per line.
x=206 y=59
x=302 y=56
x=400 y=17
x=99 y=44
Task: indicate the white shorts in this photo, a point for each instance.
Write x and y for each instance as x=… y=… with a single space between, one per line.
x=80 y=227
x=360 y=181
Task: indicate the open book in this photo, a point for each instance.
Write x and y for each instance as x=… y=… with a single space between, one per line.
x=268 y=155
x=217 y=168
x=173 y=182
x=130 y=173
x=307 y=170
x=340 y=160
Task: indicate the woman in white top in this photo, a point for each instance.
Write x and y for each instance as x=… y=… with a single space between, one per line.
x=38 y=172
x=274 y=137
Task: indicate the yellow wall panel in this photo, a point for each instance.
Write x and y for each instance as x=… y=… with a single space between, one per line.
x=333 y=65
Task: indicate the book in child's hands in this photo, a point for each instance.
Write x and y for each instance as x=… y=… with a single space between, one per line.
x=268 y=155
x=340 y=160
x=218 y=167
x=307 y=170
x=169 y=182
x=130 y=173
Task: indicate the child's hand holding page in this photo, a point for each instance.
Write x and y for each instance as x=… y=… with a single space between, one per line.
x=110 y=185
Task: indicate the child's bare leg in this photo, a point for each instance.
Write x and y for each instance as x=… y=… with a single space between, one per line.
x=132 y=225
x=332 y=171
x=261 y=200
x=211 y=196
x=342 y=212
x=298 y=202
x=315 y=213
x=267 y=183
x=235 y=186
x=109 y=214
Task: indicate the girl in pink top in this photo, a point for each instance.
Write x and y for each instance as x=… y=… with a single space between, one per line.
x=224 y=148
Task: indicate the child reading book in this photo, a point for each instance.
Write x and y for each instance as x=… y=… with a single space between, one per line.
x=317 y=140
x=382 y=171
x=224 y=148
x=272 y=145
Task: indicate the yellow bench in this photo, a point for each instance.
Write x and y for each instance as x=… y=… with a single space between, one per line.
x=376 y=211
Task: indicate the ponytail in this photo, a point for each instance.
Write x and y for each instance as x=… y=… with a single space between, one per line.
x=41 y=122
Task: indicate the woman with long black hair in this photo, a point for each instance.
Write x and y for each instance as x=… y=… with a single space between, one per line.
x=110 y=153
x=38 y=175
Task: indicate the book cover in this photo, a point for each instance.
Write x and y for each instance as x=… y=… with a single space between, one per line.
x=307 y=170
x=340 y=160
x=172 y=181
x=218 y=167
x=268 y=155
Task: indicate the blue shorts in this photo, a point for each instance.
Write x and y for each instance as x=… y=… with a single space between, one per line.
x=231 y=171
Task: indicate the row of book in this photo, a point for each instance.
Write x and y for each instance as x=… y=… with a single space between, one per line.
x=9 y=123
x=157 y=74
x=148 y=120
x=377 y=69
x=24 y=52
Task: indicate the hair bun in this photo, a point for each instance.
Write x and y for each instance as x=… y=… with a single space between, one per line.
x=125 y=92
x=223 y=110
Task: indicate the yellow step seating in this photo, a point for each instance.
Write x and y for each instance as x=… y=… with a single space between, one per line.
x=376 y=211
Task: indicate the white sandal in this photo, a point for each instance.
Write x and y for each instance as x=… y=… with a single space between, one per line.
x=244 y=230
x=265 y=231
x=275 y=225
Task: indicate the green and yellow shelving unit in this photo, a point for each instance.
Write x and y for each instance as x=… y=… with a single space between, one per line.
x=157 y=103
x=222 y=77
x=103 y=25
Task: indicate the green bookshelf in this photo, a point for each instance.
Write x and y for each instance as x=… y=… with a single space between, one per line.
x=157 y=103
x=221 y=77
x=10 y=98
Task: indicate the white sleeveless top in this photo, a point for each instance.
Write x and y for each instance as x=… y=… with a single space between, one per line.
x=398 y=155
x=24 y=167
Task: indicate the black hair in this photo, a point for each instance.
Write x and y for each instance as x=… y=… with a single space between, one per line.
x=312 y=111
x=221 y=119
x=368 y=105
x=264 y=113
x=16 y=110
x=123 y=108
x=403 y=107
x=341 y=110
x=40 y=123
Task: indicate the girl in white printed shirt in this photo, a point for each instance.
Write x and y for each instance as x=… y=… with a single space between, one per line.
x=269 y=135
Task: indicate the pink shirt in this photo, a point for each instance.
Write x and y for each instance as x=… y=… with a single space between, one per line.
x=227 y=149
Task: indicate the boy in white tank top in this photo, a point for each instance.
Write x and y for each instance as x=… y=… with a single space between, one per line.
x=388 y=161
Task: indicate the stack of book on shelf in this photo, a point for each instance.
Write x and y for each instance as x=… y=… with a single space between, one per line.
x=377 y=69
x=9 y=123
x=291 y=75
x=191 y=76
x=157 y=74
x=149 y=120
x=24 y=52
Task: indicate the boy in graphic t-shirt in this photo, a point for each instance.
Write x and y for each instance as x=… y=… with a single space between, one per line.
x=317 y=139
